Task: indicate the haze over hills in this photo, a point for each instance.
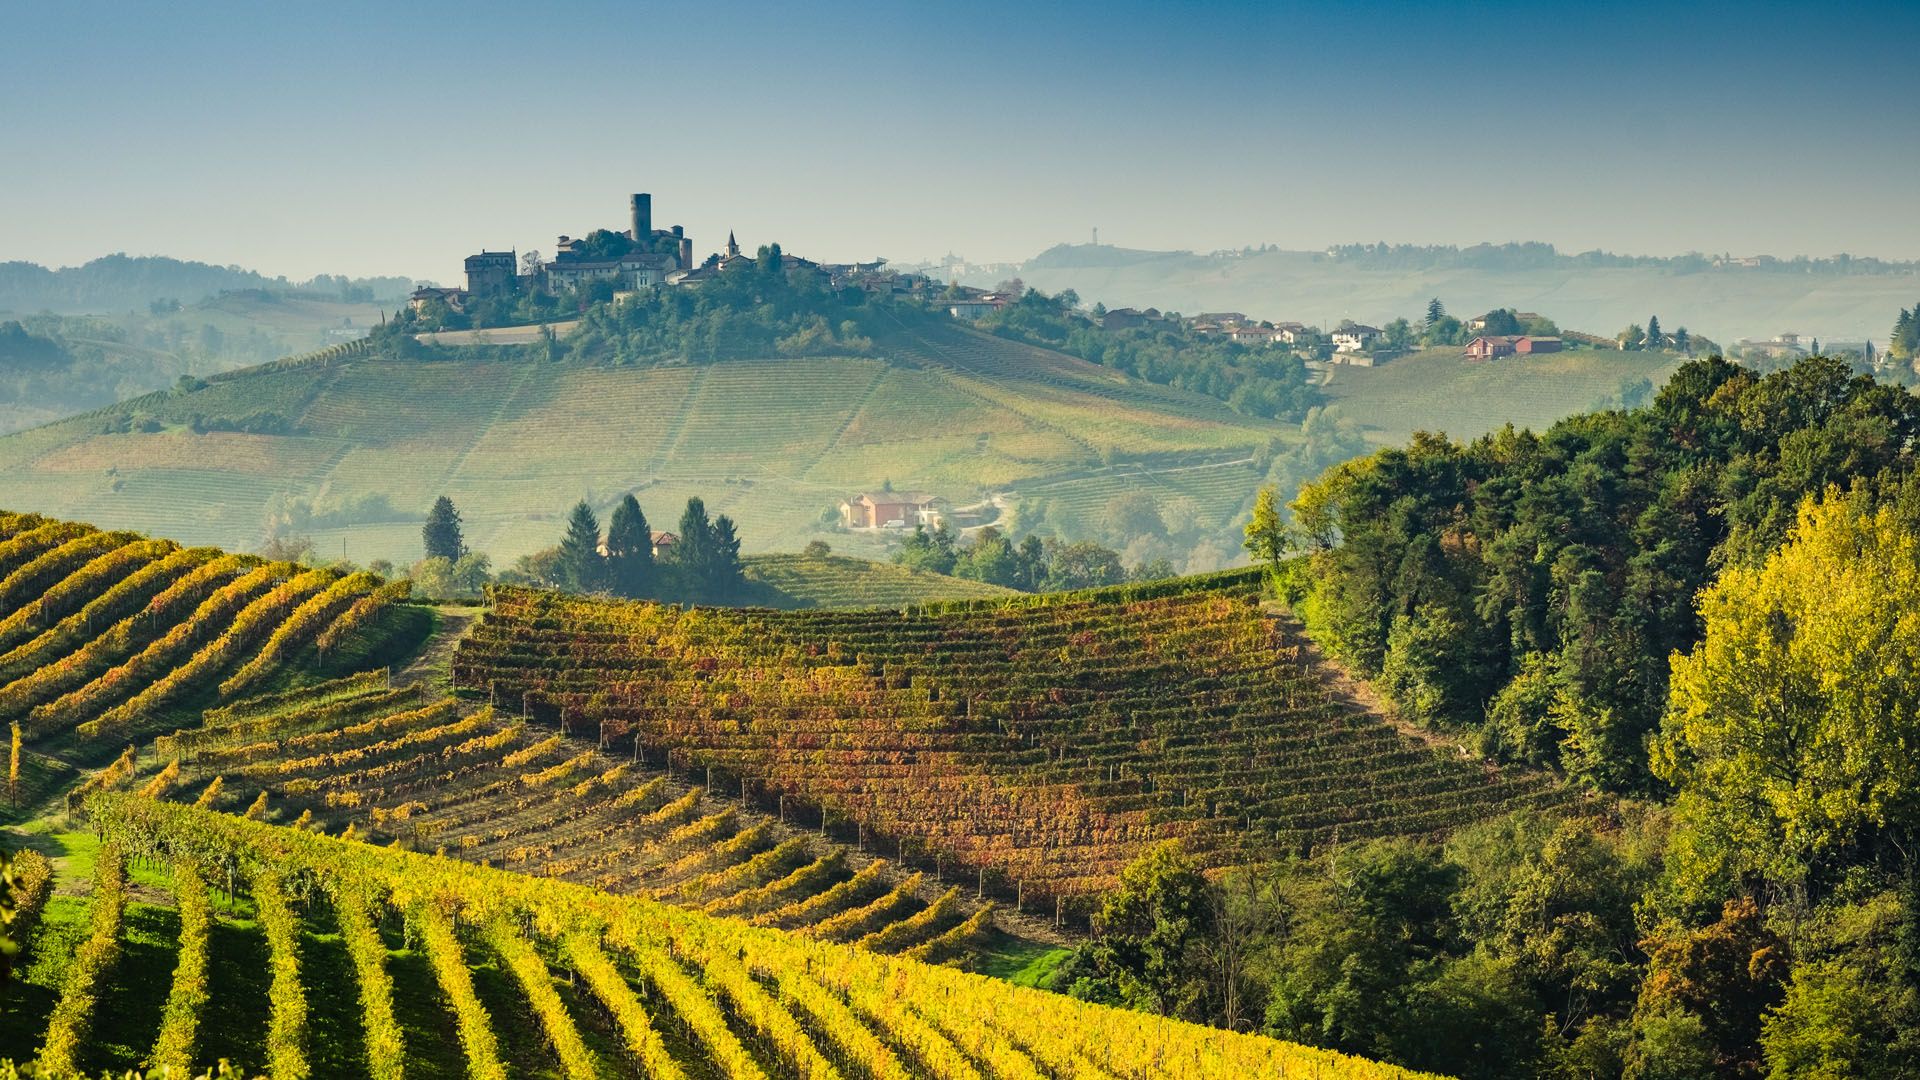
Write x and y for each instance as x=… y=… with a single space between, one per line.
x=1834 y=300
x=365 y=443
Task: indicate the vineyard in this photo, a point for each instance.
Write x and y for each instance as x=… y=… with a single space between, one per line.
x=298 y=954
x=772 y=443
x=430 y=775
x=1039 y=743
x=109 y=636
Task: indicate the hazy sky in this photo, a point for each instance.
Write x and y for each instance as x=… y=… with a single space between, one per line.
x=396 y=138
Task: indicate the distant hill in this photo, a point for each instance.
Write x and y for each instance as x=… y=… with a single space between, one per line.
x=367 y=443
x=835 y=581
x=1837 y=299
x=1441 y=390
x=57 y=365
x=121 y=282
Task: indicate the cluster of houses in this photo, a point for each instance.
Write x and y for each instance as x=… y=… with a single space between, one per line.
x=637 y=257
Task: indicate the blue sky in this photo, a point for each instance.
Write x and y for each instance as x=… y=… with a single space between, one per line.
x=379 y=138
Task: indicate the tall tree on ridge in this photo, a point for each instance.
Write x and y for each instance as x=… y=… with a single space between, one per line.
x=580 y=566
x=1655 y=338
x=725 y=576
x=441 y=536
x=629 y=550
x=1435 y=312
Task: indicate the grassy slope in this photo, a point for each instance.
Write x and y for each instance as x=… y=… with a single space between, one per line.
x=1440 y=390
x=773 y=443
x=835 y=581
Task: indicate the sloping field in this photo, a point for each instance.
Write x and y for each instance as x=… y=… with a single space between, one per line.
x=774 y=443
x=204 y=935
x=834 y=581
x=1441 y=390
x=1044 y=742
x=105 y=635
x=488 y=787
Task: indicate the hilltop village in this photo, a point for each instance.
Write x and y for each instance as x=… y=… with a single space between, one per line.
x=607 y=263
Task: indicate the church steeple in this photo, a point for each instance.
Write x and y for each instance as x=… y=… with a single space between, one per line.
x=733 y=246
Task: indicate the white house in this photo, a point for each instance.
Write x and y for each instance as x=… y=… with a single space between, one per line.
x=1350 y=339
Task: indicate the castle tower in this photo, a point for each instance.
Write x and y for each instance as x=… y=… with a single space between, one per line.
x=642 y=219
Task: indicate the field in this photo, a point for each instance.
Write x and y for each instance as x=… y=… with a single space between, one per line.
x=1041 y=743
x=774 y=443
x=833 y=581
x=1441 y=390
x=433 y=774
x=306 y=864
x=299 y=954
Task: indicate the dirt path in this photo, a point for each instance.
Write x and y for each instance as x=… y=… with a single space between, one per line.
x=1352 y=693
x=433 y=668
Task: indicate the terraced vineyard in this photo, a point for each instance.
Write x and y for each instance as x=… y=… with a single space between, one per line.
x=773 y=443
x=833 y=581
x=104 y=634
x=491 y=788
x=338 y=958
x=1041 y=742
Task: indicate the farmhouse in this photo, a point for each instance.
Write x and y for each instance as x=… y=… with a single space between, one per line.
x=879 y=509
x=1354 y=338
x=1494 y=346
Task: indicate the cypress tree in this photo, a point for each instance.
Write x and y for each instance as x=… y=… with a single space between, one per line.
x=579 y=566
x=629 y=549
x=441 y=536
x=725 y=576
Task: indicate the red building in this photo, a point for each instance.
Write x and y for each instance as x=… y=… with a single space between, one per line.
x=1494 y=346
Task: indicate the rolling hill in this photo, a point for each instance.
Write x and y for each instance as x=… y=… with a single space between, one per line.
x=1041 y=742
x=1723 y=303
x=834 y=581
x=185 y=903
x=774 y=443
x=1441 y=390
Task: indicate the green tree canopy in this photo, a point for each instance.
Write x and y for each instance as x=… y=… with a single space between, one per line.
x=1791 y=729
x=580 y=566
x=629 y=550
x=441 y=536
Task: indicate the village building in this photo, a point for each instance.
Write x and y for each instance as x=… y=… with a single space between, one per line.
x=1355 y=338
x=1127 y=318
x=423 y=298
x=492 y=273
x=1248 y=334
x=890 y=509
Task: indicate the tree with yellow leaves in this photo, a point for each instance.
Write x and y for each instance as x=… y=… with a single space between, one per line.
x=1790 y=729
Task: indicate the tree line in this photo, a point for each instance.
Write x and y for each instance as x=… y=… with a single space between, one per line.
x=698 y=564
x=1705 y=604
x=1034 y=564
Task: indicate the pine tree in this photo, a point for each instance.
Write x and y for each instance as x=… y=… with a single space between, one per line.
x=629 y=550
x=1655 y=339
x=580 y=567
x=692 y=552
x=1683 y=342
x=442 y=533
x=1435 y=312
